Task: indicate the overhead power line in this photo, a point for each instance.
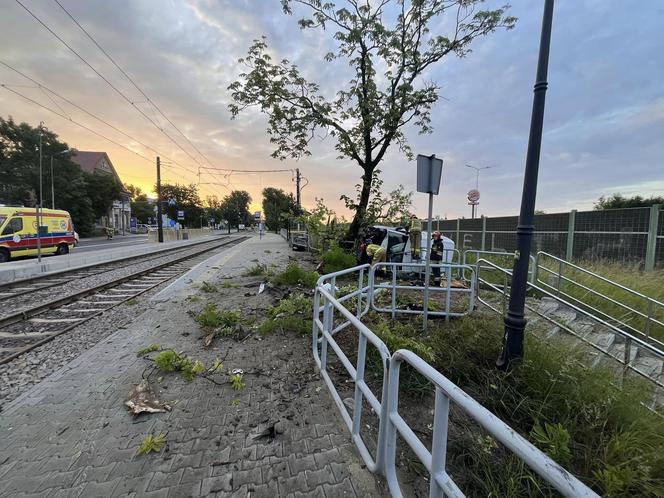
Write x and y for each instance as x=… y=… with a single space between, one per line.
x=82 y=109
x=131 y=80
x=118 y=91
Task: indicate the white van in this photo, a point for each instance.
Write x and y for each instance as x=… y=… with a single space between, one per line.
x=397 y=245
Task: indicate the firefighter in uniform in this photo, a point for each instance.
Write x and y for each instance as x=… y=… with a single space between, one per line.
x=376 y=252
x=437 y=251
x=415 y=234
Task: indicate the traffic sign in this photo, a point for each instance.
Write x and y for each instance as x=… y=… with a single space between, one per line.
x=473 y=195
x=429 y=170
x=180 y=215
x=171 y=202
x=257 y=215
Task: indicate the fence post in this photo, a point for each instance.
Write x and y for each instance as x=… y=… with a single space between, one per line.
x=457 y=232
x=483 y=231
x=652 y=237
x=570 y=235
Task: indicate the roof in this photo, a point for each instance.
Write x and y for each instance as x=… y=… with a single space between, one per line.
x=88 y=160
x=91 y=161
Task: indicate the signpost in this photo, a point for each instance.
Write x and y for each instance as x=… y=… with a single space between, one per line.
x=257 y=216
x=429 y=170
x=473 y=199
x=180 y=215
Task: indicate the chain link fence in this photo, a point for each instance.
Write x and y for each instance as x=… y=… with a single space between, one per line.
x=631 y=235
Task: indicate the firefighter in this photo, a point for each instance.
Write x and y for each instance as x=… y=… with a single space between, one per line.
x=376 y=252
x=415 y=235
x=437 y=251
x=109 y=232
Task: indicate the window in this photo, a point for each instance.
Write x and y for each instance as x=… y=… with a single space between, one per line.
x=14 y=225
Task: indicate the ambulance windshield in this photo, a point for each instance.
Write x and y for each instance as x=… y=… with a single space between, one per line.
x=2 y=220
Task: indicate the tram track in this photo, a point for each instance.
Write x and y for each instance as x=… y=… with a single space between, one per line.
x=28 y=329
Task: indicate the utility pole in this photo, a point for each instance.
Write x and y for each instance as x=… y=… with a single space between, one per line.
x=515 y=322
x=160 y=228
x=40 y=204
x=298 y=178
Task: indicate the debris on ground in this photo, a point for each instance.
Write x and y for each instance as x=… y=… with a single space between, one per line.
x=142 y=399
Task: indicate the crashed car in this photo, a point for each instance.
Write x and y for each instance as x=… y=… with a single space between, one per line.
x=396 y=242
x=299 y=241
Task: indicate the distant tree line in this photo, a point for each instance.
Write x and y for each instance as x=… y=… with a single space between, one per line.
x=87 y=196
x=617 y=201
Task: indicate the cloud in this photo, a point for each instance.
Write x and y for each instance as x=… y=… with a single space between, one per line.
x=603 y=123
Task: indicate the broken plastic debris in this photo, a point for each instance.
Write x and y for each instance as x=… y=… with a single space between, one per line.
x=143 y=399
x=237 y=371
x=261 y=288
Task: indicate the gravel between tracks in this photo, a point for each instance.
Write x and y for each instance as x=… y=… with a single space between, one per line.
x=30 y=368
x=25 y=301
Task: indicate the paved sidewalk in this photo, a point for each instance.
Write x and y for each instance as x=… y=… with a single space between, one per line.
x=71 y=435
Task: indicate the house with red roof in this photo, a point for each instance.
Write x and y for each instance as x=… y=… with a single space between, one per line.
x=98 y=162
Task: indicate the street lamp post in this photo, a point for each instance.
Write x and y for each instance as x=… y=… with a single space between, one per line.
x=515 y=322
x=40 y=202
x=477 y=183
x=53 y=189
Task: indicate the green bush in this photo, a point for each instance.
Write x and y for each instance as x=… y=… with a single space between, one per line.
x=292 y=314
x=214 y=318
x=296 y=275
x=257 y=270
x=336 y=259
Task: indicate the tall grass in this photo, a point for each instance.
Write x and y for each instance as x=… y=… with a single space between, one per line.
x=650 y=284
x=600 y=433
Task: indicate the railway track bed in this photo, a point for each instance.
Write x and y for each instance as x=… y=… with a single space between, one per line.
x=38 y=324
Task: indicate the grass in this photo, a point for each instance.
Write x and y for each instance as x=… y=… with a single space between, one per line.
x=292 y=314
x=208 y=287
x=132 y=302
x=237 y=382
x=257 y=270
x=170 y=361
x=211 y=317
x=600 y=433
x=296 y=275
x=650 y=284
x=152 y=443
x=336 y=259
x=148 y=349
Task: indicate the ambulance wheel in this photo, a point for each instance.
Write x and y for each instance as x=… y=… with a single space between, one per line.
x=4 y=255
x=62 y=249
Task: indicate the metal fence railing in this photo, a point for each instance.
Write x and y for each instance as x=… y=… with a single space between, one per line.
x=390 y=422
x=628 y=344
x=626 y=308
x=630 y=235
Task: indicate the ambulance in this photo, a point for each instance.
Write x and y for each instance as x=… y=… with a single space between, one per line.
x=18 y=232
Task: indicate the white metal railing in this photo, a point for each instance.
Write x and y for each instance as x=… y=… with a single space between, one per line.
x=386 y=409
x=629 y=339
x=616 y=310
x=511 y=255
x=392 y=286
x=441 y=483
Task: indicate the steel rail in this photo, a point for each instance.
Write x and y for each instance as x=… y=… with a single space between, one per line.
x=31 y=312
x=46 y=276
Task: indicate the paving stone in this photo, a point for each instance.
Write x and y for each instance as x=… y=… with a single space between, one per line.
x=318 y=477
x=252 y=476
x=195 y=475
x=100 y=488
x=342 y=490
x=218 y=484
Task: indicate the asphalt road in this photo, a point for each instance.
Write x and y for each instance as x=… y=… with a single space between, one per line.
x=101 y=243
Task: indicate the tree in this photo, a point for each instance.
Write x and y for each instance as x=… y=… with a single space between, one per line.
x=213 y=208
x=141 y=208
x=103 y=189
x=235 y=208
x=369 y=113
x=186 y=199
x=277 y=203
x=19 y=173
x=617 y=201
x=394 y=207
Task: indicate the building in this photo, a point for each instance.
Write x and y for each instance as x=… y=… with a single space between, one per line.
x=98 y=162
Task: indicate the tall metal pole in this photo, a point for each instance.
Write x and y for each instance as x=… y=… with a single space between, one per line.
x=40 y=204
x=52 y=189
x=515 y=322
x=160 y=228
x=297 y=185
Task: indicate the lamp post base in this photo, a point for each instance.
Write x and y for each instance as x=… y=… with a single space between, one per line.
x=515 y=325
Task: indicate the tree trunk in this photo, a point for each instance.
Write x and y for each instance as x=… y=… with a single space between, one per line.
x=356 y=224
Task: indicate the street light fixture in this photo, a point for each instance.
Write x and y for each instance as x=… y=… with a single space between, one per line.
x=477 y=183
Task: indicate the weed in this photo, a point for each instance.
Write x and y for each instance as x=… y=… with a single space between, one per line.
x=554 y=440
x=194 y=299
x=148 y=349
x=212 y=317
x=218 y=365
x=208 y=287
x=296 y=275
x=237 y=382
x=229 y=285
x=170 y=361
x=236 y=402
x=152 y=443
x=336 y=259
x=257 y=270
x=132 y=302
x=289 y=316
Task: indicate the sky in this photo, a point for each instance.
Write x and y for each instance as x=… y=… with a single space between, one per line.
x=603 y=128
